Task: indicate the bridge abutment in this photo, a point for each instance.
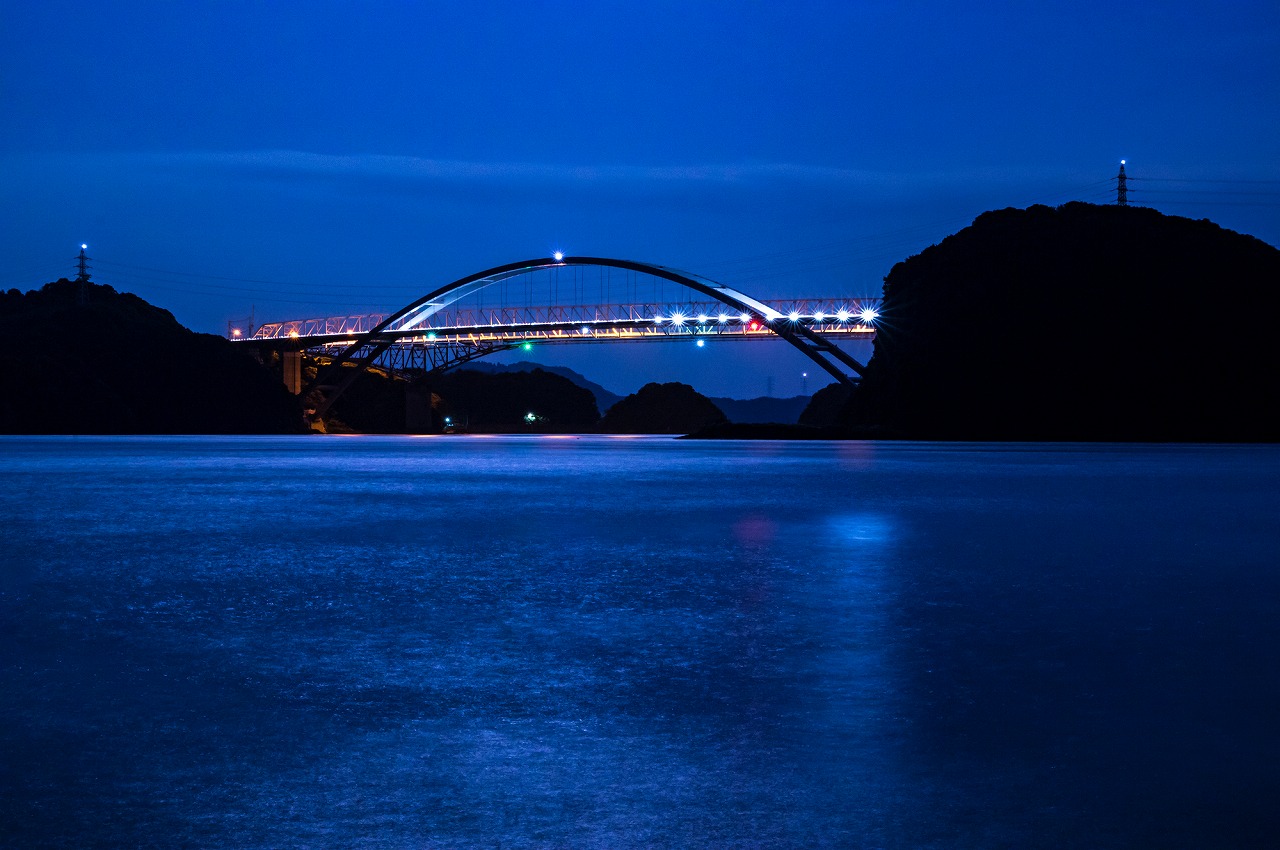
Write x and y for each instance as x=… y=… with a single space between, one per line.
x=292 y=363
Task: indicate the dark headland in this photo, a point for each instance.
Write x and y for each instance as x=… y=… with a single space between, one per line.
x=97 y=361
x=1082 y=322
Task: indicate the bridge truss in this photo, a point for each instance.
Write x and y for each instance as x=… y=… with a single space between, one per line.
x=453 y=324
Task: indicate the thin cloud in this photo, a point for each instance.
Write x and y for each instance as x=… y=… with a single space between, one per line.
x=714 y=183
x=464 y=171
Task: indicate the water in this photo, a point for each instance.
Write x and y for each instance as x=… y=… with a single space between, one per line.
x=602 y=642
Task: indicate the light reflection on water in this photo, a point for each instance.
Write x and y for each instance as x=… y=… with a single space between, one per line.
x=514 y=641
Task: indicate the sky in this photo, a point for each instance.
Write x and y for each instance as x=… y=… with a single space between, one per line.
x=330 y=158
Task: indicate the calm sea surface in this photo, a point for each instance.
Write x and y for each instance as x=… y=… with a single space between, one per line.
x=603 y=642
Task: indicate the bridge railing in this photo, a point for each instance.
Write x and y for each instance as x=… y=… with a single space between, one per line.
x=840 y=316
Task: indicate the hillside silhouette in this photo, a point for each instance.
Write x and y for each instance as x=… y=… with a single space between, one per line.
x=118 y=365
x=662 y=409
x=605 y=398
x=762 y=409
x=502 y=400
x=1078 y=323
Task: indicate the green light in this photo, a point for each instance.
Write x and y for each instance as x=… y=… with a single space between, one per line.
x=528 y=346
x=431 y=336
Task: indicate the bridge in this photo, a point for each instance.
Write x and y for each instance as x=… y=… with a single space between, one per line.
x=558 y=300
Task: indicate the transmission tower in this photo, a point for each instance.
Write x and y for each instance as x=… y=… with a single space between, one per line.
x=82 y=278
x=1122 y=188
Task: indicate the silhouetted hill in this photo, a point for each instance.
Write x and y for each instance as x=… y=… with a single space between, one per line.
x=502 y=400
x=826 y=406
x=662 y=409
x=118 y=365
x=763 y=409
x=1081 y=322
x=605 y=399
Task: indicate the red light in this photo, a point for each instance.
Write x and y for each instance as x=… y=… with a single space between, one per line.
x=752 y=326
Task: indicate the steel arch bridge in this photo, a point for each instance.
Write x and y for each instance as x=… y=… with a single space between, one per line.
x=437 y=331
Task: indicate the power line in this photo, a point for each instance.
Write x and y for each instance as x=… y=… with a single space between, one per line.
x=1275 y=203
x=1245 y=192
x=1264 y=182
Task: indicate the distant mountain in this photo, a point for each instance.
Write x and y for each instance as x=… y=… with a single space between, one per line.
x=784 y=411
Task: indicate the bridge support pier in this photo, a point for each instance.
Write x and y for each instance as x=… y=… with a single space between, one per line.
x=292 y=363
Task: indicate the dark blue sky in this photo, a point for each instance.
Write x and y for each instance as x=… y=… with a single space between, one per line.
x=355 y=154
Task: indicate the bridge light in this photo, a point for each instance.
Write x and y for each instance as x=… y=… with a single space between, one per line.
x=235 y=332
x=842 y=315
x=657 y=320
x=723 y=318
x=586 y=330
x=558 y=256
x=431 y=336
x=794 y=316
x=677 y=319
x=744 y=318
x=528 y=346
x=702 y=319
x=819 y=316
x=701 y=343
x=293 y=334
x=868 y=315
x=752 y=326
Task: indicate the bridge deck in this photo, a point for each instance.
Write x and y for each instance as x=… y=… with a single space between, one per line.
x=613 y=323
